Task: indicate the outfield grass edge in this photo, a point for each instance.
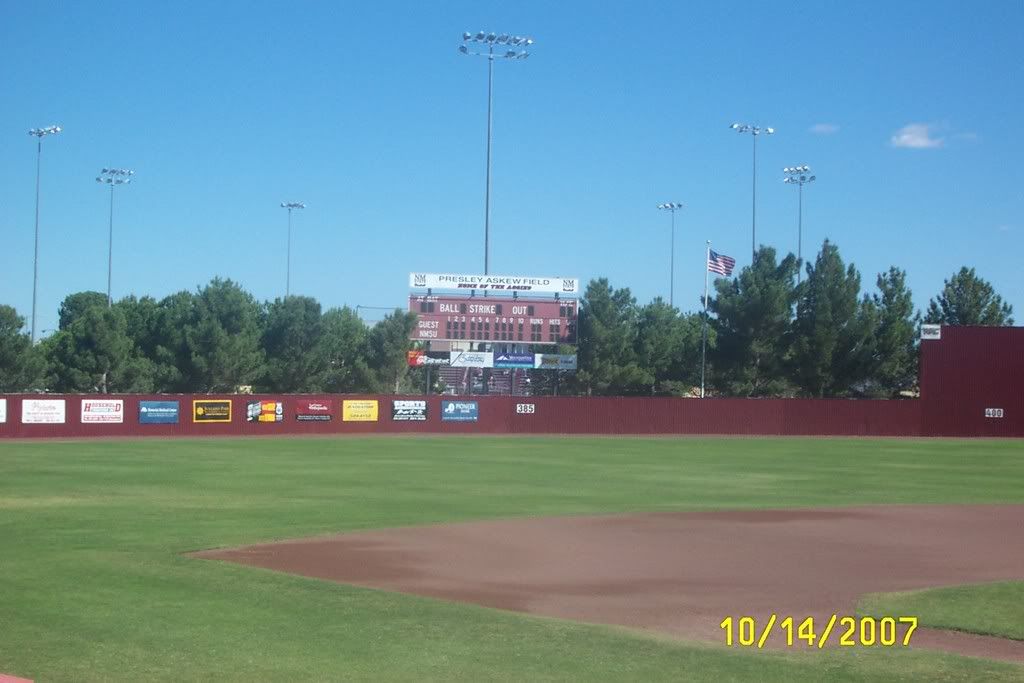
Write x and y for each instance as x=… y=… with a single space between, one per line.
x=987 y=609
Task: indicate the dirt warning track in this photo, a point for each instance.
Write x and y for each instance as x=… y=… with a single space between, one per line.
x=680 y=573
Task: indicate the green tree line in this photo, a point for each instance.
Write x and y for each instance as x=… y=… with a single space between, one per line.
x=769 y=333
x=216 y=339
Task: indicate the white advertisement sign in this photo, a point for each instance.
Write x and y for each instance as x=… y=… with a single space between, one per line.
x=42 y=411
x=472 y=359
x=102 y=411
x=554 y=361
x=497 y=283
x=931 y=332
x=3 y=410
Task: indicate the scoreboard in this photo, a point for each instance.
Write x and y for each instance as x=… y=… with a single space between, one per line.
x=525 y=321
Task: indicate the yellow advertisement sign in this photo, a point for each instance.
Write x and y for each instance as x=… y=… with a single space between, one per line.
x=359 y=411
x=211 y=411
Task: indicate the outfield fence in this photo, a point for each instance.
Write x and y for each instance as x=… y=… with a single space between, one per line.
x=971 y=379
x=236 y=415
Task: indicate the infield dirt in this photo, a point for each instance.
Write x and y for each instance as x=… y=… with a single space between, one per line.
x=681 y=573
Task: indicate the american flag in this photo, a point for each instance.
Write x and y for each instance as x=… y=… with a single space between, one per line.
x=720 y=263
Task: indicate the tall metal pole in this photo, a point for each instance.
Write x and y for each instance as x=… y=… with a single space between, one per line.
x=113 y=177
x=799 y=176
x=672 y=265
x=754 y=131
x=486 y=374
x=39 y=134
x=800 y=233
x=110 y=248
x=704 y=331
x=492 y=39
x=753 y=208
x=672 y=207
x=487 y=190
x=35 y=259
x=288 y=258
x=288 y=269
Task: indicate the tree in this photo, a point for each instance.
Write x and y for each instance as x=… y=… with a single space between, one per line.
x=74 y=305
x=168 y=347
x=95 y=354
x=388 y=343
x=343 y=345
x=834 y=330
x=142 y=318
x=685 y=375
x=752 y=325
x=223 y=338
x=966 y=299
x=668 y=348
x=607 y=339
x=895 y=366
x=21 y=365
x=291 y=340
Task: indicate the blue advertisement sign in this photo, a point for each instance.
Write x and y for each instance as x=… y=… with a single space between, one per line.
x=460 y=411
x=513 y=360
x=158 y=412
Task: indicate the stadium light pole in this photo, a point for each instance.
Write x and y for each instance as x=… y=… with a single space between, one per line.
x=39 y=133
x=288 y=275
x=113 y=177
x=798 y=175
x=754 y=131
x=672 y=207
x=490 y=40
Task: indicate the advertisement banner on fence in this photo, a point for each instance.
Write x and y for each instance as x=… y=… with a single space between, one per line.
x=472 y=359
x=513 y=360
x=42 y=411
x=3 y=410
x=555 y=361
x=409 y=411
x=158 y=412
x=314 y=411
x=359 y=411
x=419 y=359
x=100 y=411
x=264 y=411
x=211 y=411
x=460 y=411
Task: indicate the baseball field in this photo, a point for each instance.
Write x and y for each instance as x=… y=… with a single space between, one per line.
x=519 y=558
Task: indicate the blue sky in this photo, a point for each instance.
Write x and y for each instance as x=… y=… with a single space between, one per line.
x=908 y=113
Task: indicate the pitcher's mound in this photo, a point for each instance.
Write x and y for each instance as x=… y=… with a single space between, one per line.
x=680 y=573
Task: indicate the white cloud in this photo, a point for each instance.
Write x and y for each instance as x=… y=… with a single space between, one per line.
x=825 y=128
x=917 y=136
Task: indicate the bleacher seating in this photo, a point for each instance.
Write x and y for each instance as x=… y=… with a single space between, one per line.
x=461 y=381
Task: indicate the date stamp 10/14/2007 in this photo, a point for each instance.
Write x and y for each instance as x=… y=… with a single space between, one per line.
x=845 y=631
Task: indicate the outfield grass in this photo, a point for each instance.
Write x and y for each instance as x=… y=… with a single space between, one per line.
x=93 y=585
x=991 y=609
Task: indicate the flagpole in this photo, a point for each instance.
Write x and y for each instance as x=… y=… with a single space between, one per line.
x=704 y=332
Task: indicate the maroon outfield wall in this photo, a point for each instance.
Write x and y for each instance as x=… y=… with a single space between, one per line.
x=502 y=415
x=968 y=371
